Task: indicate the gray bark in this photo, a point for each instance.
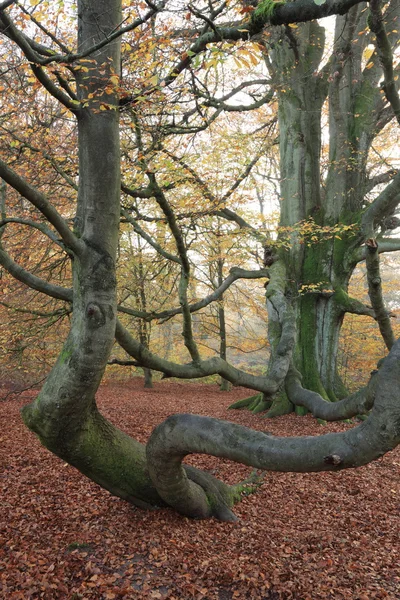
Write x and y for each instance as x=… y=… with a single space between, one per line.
x=181 y=435
x=320 y=271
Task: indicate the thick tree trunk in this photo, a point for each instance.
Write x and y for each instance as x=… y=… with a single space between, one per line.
x=64 y=415
x=320 y=263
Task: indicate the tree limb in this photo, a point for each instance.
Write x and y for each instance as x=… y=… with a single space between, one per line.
x=385 y=204
x=234 y=274
x=35 y=197
x=211 y=366
x=39 y=226
x=149 y=239
x=384 y=245
x=375 y=292
x=181 y=435
x=283 y=14
x=358 y=403
x=384 y=48
x=32 y=281
x=35 y=60
x=379 y=179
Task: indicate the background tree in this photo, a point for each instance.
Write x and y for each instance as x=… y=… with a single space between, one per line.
x=86 y=84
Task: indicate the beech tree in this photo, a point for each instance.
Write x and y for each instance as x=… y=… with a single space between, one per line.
x=85 y=83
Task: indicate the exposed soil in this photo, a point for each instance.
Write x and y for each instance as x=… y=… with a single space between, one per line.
x=301 y=536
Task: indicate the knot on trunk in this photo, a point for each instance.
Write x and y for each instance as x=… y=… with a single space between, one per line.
x=97 y=314
x=333 y=459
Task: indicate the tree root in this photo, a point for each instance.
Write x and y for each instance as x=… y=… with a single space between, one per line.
x=220 y=497
x=280 y=406
x=259 y=403
x=248 y=486
x=256 y=404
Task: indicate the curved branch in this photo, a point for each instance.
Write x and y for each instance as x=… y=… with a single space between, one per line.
x=385 y=204
x=232 y=216
x=59 y=312
x=279 y=365
x=45 y=31
x=235 y=90
x=43 y=205
x=149 y=239
x=384 y=48
x=384 y=245
x=181 y=435
x=283 y=14
x=35 y=60
x=359 y=403
x=375 y=292
x=241 y=107
x=39 y=226
x=352 y=305
x=32 y=281
x=185 y=266
x=144 y=193
x=246 y=171
x=211 y=366
x=234 y=274
x=379 y=179
x=72 y=57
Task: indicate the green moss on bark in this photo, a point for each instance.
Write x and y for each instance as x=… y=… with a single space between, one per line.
x=280 y=406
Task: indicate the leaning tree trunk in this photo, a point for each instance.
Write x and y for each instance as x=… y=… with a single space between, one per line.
x=64 y=415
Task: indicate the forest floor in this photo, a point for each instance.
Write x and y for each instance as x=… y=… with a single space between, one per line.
x=300 y=536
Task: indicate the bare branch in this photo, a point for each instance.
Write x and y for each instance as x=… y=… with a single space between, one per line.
x=9 y=29
x=59 y=312
x=32 y=281
x=211 y=366
x=234 y=274
x=385 y=204
x=384 y=48
x=39 y=226
x=42 y=204
x=283 y=14
x=375 y=292
x=149 y=239
x=379 y=179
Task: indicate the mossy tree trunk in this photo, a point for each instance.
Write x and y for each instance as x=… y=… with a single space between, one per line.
x=64 y=415
x=319 y=261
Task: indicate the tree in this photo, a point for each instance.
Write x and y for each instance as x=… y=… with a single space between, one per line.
x=86 y=84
